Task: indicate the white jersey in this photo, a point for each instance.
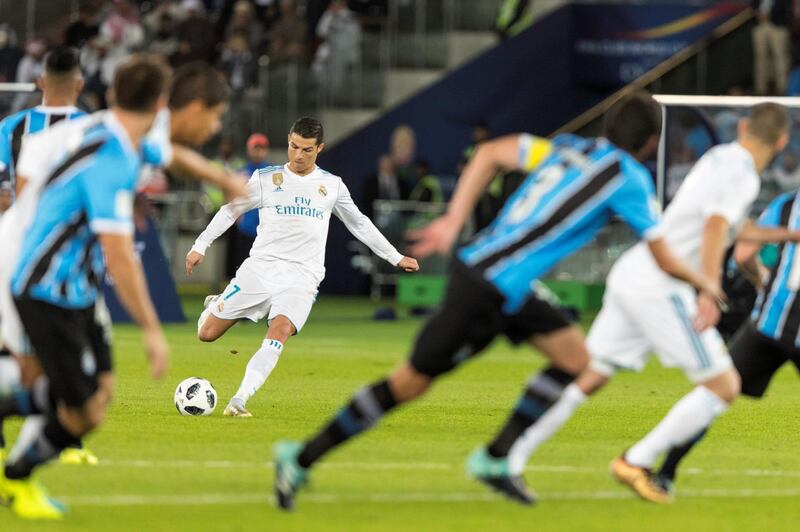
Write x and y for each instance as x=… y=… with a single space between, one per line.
x=723 y=182
x=294 y=214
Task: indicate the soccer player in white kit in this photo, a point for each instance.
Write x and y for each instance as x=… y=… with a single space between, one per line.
x=644 y=309
x=279 y=279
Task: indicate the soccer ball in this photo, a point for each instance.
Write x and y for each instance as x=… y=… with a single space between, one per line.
x=195 y=397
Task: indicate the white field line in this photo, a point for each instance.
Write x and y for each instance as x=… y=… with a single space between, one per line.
x=204 y=499
x=423 y=466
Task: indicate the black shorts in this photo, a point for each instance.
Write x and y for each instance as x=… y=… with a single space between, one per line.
x=71 y=345
x=471 y=317
x=758 y=357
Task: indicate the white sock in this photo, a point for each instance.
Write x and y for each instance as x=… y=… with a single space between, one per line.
x=203 y=317
x=30 y=430
x=258 y=369
x=544 y=428
x=10 y=377
x=693 y=413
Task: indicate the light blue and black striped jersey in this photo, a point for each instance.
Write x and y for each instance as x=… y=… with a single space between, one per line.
x=15 y=127
x=82 y=176
x=777 y=310
x=575 y=186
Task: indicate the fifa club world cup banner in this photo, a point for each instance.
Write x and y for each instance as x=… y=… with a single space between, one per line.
x=617 y=43
x=159 y=280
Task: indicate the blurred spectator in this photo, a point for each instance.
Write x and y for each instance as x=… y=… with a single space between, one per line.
x=237 y=63
x=244 y=23
x=95 y=71
x=786 y=172
x=288 y=36
x=29 y=69
x=480 y=134
x=727 y=119
x=154 y=20
x=793 y=83
x=84 y=27
x=257 y=153
x=388 y=187
x=242 y=235
x=340 y=50
x=226 y=154
x=6 y=197
x=513 y=17
x=163 y=40
x=403 y=146
x=428 y=188
x=195 y=34
x=498 y=191
x=681 y=160
x=123 y=34
x=10 y=53
x=772 y=44
x=382 y=185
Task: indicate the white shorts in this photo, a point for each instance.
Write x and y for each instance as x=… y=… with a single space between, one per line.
x=12 y=333
x=634 y=323
x=267 y=288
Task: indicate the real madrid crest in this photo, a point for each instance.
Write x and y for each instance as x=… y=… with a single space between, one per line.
x=323 y=191
x=221 y=306
x=277 y=180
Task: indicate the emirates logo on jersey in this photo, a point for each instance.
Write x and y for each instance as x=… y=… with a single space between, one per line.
x=323 y=191
x=277 y=180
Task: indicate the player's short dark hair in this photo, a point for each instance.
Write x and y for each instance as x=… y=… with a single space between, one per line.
x=62 y=61
x=308 y=128
x=768 y=121
x=139 y=81
x=198 y=81
x=632 y=120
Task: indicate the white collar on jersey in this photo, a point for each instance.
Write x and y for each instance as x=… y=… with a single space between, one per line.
x=64 y=109
x=286 y=167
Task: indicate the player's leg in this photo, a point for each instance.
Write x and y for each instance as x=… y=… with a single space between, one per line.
x=261 y=364
x=463 y=327
x=244 y=297
x=756 y=359
x=61 y=339
x=210 y=327
x=9 y=381
x=288 y=311
x=705 y=360
x=551 y=397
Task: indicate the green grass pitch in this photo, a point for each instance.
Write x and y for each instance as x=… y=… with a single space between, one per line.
x=160 y=471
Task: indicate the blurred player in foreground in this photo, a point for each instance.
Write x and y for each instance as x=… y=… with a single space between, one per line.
x=645 y=310
x=198 y=98
x=81 y=177
x=771 y=337
x=575 y=185
x=287 y=261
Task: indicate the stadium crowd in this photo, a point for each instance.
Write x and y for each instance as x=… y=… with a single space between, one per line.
x=323 y=35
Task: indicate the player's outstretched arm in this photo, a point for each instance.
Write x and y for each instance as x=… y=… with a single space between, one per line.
x=131 y=287
x=523 y=152
x=187 y=161
x=363 y=229
x=757 y=234
x=222 y=221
